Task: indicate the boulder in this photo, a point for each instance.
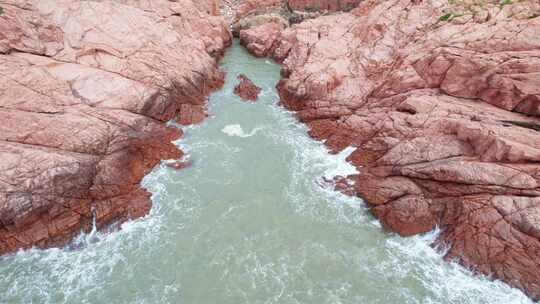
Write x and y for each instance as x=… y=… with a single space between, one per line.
x=246 y=89
x=261 y=40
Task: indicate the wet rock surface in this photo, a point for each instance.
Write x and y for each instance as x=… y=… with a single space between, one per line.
x=85 y=90
x=178 y=165
x=441 y=101
x=246 y=89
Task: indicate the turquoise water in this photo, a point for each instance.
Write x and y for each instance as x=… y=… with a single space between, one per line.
x=250 y=222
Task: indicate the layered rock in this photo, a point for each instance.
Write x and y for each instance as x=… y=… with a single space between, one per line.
x=85 y=90
x=432 y=94
x=246 y=89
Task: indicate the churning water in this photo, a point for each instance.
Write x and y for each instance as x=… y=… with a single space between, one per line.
x=250 y=222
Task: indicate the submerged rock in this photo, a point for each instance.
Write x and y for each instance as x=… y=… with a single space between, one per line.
x=86 y=88
x=246 y=89
x=178 y=165
x=425 y=92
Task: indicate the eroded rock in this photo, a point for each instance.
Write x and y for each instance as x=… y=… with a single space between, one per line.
x=432 y=95
x=85 y=90
x=261 y=40
x=245 y=14
x=246 y=89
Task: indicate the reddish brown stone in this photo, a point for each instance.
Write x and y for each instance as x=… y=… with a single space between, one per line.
x=261 y=40
x=342 y=184
x=85 y=90
x=178 y=165
x=434 y=103
x=246 y=89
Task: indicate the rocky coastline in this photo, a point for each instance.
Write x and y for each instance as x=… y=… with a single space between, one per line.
x=440 y=99
x=86 y=89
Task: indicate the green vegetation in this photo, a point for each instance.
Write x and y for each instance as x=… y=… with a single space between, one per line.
x=447 y=17
x=348 y=7
x=311 y=9
x=1 y=11
x=534 y=15
x=472 y=8
x=523 y=124
x=505 y=2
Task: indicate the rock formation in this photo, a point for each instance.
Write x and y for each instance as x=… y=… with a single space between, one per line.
x=245 y=14
x=85 y=90
x=260 y=40
x=246 y=89
x=178 y=165
x=441 y=100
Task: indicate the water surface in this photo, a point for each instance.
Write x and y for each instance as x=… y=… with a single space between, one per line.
x=250 y=222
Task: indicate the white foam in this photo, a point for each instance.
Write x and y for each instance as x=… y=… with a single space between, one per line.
x=449 y=282
x=338 y=165
x=408 y=258
x=236 y=130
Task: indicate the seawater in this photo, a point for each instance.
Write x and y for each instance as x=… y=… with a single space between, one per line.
x=251 y=221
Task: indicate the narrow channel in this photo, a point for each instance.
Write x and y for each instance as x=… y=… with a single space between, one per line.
x=251 y=221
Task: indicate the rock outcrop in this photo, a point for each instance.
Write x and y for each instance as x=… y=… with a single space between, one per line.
x=260 y=40
x=245 y=14
x=85 y=90
x=246 y=89
x=441 y=100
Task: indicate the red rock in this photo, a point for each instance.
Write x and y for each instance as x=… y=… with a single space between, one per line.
x=432 y=102
x=261 y=40
x=342 y=184
x=235 y=10
x=178 y=165
x=246 y=89
x=85 y=90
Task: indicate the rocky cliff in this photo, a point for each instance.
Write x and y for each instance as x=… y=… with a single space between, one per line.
x=441 y=101
x=85 y=90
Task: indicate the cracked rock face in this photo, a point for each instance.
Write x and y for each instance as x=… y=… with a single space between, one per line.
x=85 y=90
x=441 y=100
